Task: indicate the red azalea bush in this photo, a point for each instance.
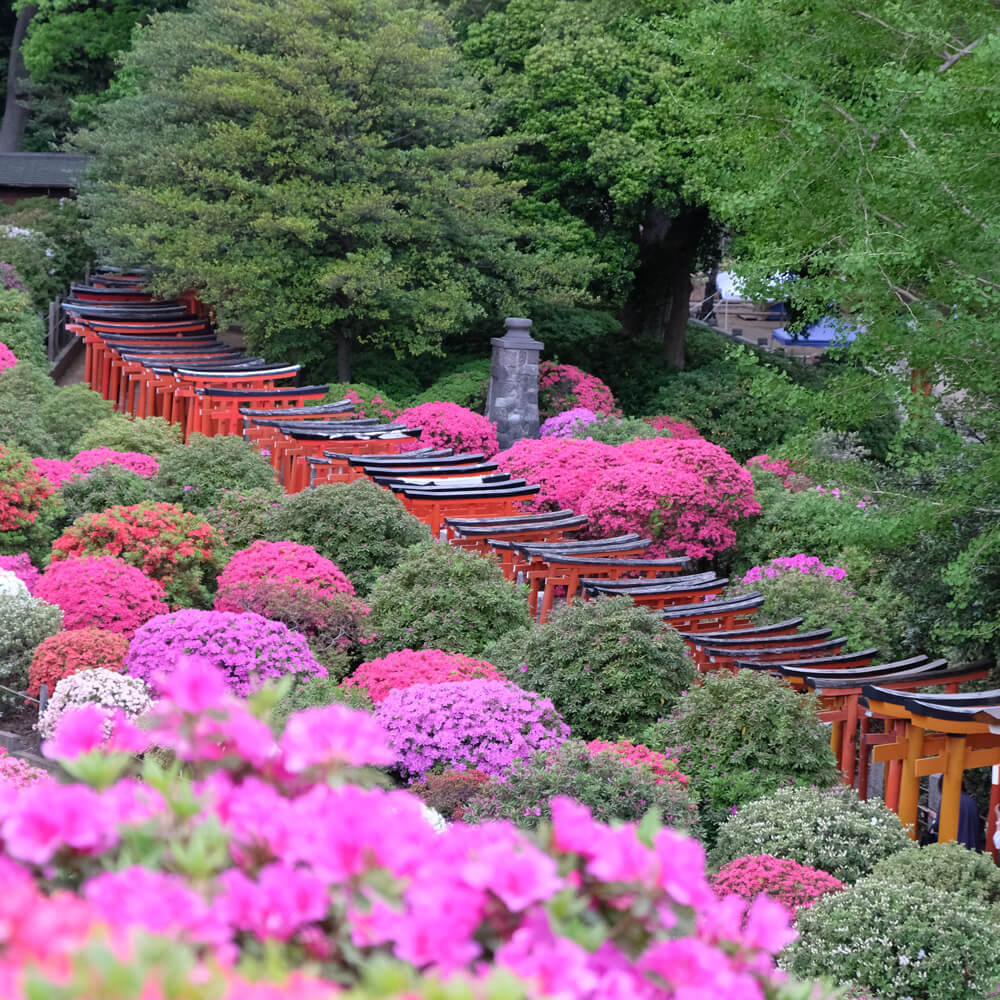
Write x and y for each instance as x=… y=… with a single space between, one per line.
x=451 y=792
x=178 y=549
x=135 y=461
x=563 y=387
x=639 y=755
x=448 y=425
x=418 y=666
x=25 y=502
x=7 y=357
x=678 y=428
x=296 y=566
x=55 y=470
x=795 y=886
x=67 y=653
x=20 y=565
x=102 y=592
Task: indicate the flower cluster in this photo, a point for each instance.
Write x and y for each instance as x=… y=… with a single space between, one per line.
x=16 y=773
x=101 y=592
x=480 y=724
x=424 y=666
x=795 y=886
x=115 y=694
x=791 y=478
x=562 y=387
x=368 y=401
x=448 y=425
x=300 y=567
x=678 y=428
x=23 y=491
x=7 y=357
x=178 y=549
x=67 y=653
x=9 y=277
x=800 y=563
x=562 y=425
x=20 y=565
x=247 y=647
x=55 y=471
x=142 y=465
x=638 y=755
x=11 y=585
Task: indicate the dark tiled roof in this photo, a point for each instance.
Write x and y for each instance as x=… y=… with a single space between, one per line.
x=41 y=170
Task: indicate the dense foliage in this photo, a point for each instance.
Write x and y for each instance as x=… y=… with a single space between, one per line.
x=26 y=504
x=148 y=435
x=25 y=622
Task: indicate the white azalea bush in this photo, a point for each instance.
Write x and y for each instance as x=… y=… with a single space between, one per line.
x=101 y=687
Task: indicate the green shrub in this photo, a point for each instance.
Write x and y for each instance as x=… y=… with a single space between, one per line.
x=106 y=486
x=69 y=413
x=364 y=529
x=316 y=692
x=950 y=867
x=465 y=386
x=24 y=623
x=613 y=788
x=609 y=666
x=22 y=329
x=442 y=597
x=368 y=401
x=241 y=515
x=904 y=938
x=23 y=391
x=739 y=737
x=149 y=435
x=831 y=829
x=614 y=432
x=196 y=475
x=389 y=373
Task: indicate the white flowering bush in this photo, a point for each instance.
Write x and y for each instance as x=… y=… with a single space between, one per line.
x=11 y=585
x=830 y=829
x=97 y=687
x=24 y=622
x=901 y=938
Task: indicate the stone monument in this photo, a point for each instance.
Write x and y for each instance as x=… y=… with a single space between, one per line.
x=512 y=402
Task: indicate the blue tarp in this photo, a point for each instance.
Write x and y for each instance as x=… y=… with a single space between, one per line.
x=823 y=333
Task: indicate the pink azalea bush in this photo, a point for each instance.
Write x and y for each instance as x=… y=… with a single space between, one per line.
x=55 y=470
x=660 y=764
x=796 y=887
x=783 y=468
x=563 y=387
x=407 y=667
x=20 y=565
x=480 y=724
x=562 y=425
x=248 y=648
x=143 y=465
x=298 y=567
x=307 y=863
x=678 y=428
x=17 y=774
x=7 y=357
x=799 y=563
x=102 y=592
x=448 y=425
x=69 y=652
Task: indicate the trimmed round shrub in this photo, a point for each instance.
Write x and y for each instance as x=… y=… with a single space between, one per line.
x=178 y=549
x=102 y=592
x=364 y=529
x=296 y=566
x=442 y=597
x=368 y=401
x=196 y=475
x=447 y=425
x=466 y=386
x=147 y=435
x=563 y=387
x=567 y=423
x=316 y=692
x=249 y=649
x=21 y=566
x=96 y=687
x=106 y=486
x=830 y=829
x=135 y=461
x=609 y=665
x=795 y=886
x=450 y=793
x=484 y=725
x=24 y=389
x=612 y=787
x=903 y=940
x=67 y=653
x=952 y=867
x=26 y=504
x=617 y=430
x=24 y=623
x=423 y=666
x=240 y=516
x=68 y=414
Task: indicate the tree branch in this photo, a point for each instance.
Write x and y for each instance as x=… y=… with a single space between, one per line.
x=872 y=17
x=952 y=59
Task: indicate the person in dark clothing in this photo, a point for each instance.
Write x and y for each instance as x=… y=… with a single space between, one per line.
x=970 y=826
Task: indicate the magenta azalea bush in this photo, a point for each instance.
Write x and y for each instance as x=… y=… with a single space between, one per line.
x=102 y=592
x=783 y=468
x=7 y=357
x=565 y=387
x=562 y=425
x=795 y=886
x=407 y=667
x=448 y=425
x=678 y=428
x=296 y=567
x=289 y=854
x=249 y=649
x=480 y=724
x=21 y=566
x=17 y=774
x=55 y=470
x=143 y=465
x=786 y=564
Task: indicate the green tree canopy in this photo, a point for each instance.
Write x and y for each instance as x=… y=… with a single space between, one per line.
x=318 y=171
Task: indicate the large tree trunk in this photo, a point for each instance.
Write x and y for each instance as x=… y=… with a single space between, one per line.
x=15 y=114
x=343 y=357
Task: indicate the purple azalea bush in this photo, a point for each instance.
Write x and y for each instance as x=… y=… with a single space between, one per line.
x=481 y=725
x=563 y=424
x=249 y=648
x=801 y=562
